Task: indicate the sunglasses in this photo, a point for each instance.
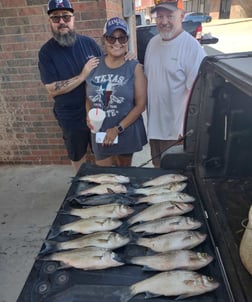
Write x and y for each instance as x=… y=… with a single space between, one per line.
x=65 y=18
x=121 y=39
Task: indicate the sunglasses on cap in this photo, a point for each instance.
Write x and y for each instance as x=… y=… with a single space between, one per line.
x=65 y=18
x=121 y=39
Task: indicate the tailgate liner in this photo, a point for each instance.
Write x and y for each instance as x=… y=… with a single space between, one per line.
x=47 y=283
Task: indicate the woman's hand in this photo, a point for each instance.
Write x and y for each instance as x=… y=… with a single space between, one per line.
x=110 y=136
x=90 y=126
x=90 y=65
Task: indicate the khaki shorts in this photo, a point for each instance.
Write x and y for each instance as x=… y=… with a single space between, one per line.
x=157 y=147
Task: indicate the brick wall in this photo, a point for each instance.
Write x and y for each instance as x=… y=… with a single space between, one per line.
x=29 y=133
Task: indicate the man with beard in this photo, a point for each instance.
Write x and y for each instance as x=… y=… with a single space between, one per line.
x=171 y=65
x=65 y=61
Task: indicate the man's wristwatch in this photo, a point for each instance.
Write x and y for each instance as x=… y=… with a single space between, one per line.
x=120 y=128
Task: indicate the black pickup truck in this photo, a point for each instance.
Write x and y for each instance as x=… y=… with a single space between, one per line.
x=146 y=32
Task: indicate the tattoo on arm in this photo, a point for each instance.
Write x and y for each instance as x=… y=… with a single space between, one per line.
x=60 y=84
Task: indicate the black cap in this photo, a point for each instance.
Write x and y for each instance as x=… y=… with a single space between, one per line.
x=59 y=5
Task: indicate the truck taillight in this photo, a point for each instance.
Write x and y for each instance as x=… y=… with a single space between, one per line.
x=198 y=32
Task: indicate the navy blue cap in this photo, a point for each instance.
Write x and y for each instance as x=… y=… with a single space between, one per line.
x=59 y=5
x=113 y=24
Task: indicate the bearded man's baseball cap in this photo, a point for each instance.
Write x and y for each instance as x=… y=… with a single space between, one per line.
x=168 y=4
x=59 y=5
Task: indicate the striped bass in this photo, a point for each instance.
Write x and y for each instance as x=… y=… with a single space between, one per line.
x=164 y=179
x=107 y=240
x=105 y=178
x=179 y=283
x=113 y=210
x=172 y=241
x=104 y=189
x=181 y=259
x=87 y=258
x=167 y=225
x=172 y=187
x=171 y=196
x=86 y=226
x=159 y=210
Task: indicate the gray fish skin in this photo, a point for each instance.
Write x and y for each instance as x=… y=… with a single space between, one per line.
x=87 y=258
x=104 y=189
x=164 y=179
x=179 y=283
x=87 y=226
x=181 y=259
x=113 y=210
x=105 y=178
x=107 y=240
x=97 y=200
x=172 y=241
x=172 y=187
x=167 y=225
x=160 y=210
x=172 y=196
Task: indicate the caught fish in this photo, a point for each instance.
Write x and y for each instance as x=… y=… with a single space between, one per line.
x=96 y=200
x=179 y=283
x=112 y=210
x=172 y=187
x=104 y=189
x=87 y=258
x=181 y=259
x=166 y=225
x=105 y=178
x=87 y=226
x=164 y=179
x=172 y=241
x=159 y=210
x=107 y=240
x=172 y=196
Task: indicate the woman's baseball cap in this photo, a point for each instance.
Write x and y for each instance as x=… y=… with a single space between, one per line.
x=59 y=5
x=113 y=24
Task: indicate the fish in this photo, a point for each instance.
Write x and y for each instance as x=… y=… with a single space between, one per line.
x=164 y=179
x=86 y=226
x=112 y=210
x=104 y=178
x=172 y=196
x=87 y=258
x=106 y=239
x=159 y=210
x=180 y=283
x=172 y=187
x=177 y=240
x=104 y=189
x=166 y=225
x=179 y=259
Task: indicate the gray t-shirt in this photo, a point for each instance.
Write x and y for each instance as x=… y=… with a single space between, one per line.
x=113 y=91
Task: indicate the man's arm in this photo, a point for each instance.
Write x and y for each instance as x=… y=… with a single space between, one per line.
x=65 y=86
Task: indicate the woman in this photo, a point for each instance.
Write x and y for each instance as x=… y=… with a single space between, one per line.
x=119 y=88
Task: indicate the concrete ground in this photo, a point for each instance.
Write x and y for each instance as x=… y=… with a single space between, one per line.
x=31 y=195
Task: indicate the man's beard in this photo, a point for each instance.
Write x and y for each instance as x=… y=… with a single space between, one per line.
x=65 y=40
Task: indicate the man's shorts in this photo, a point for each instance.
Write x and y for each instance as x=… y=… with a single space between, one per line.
x=76 y=142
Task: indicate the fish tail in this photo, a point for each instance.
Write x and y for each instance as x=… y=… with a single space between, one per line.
x=134 y=237
x=124 y=228
x=50 y=247
x=125 y=294
x=54 y=231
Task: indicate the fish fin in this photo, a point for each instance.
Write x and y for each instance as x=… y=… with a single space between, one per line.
x=50 y=247
x=149 y=295
x=119 y=259
x=125 y=294
x=181 y=297
x=147 y=268
x=110 y=191
x=62 y=265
